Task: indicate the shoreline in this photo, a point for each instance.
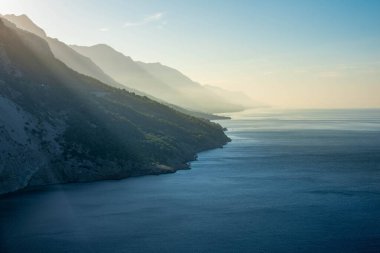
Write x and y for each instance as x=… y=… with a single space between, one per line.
x=157 y=170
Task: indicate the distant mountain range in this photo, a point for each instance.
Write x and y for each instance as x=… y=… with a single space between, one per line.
x=158 y=80
x=155 y=80
x=60 y=125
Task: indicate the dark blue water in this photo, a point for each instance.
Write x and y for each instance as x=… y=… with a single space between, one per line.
x=290 y=181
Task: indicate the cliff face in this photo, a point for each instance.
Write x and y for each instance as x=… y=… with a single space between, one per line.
x=57 y=125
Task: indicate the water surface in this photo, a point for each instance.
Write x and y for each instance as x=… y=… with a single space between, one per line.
x=290 y=181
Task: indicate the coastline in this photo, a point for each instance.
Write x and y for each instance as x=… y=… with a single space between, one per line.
x=155 y=170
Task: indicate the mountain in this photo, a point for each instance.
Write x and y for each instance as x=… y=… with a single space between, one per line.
x=198 y=114
x=206 y=93
x=63 y=52
x=86 y=66
x=58 y=126
x=157 y=80
x=168 y=75
x=197 y=92
x=233 y=96
x=154 y=80
x=25 y=23
x=124 y=70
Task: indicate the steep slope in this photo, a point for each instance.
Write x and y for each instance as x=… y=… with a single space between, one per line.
x=205 y=94
x=174 y=78
x=25 y=23
x=161 y=82
x=84 y=65
x=60 y=126
x=64 y=53
x=233 y=96
x=124 y=70
x=169 y=75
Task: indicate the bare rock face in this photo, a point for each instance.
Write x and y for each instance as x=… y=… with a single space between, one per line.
x=26 y=146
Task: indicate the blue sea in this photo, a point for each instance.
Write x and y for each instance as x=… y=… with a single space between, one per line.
x=290 y=181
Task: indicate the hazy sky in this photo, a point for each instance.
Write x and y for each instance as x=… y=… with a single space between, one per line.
x=295 y=53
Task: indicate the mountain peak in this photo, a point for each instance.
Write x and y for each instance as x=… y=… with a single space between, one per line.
x=155 y=63
x=102 y=49
x=21 y=16
x=102 y=45
x=24 y=22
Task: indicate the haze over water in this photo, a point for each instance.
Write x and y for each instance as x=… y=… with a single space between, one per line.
x=290 y=181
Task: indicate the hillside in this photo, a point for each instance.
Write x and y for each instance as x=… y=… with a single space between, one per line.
x=86 y=66
x=203 y=94
x=61 y=126
x=64 y=53
x=157 y=80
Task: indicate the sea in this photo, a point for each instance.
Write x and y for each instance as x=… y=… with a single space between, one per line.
x=289 y=181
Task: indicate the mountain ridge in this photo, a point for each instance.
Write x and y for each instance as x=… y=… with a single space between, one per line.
x=140 y=76
x=61 y=51
x=85 y=65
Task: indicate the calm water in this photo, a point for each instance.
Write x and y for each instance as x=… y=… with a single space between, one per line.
x=290 y=181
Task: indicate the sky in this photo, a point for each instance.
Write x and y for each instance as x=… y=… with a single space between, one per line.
x=284 y=53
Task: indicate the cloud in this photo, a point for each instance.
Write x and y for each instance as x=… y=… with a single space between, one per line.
x=104 y=29
x=156 y=17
